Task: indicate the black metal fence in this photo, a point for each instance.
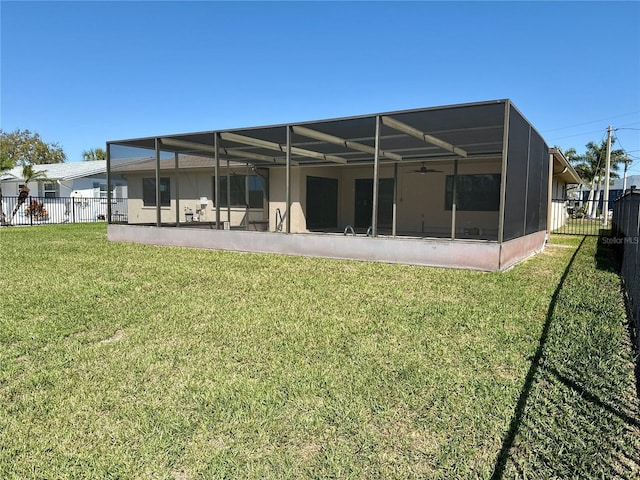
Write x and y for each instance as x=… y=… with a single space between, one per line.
x=626 y=236
x=577 y=217
x=43 y=210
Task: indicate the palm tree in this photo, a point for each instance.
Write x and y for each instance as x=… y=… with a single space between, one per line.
x=94 y=154
x=28 y=175
x=591 y=167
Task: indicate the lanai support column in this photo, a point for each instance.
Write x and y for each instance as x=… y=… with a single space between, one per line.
x=158 y=210
x=376 y=161
x=246 y=199
x=216 y=155
x=177 y=170
x=454 y=199
x=228 y=195
x=394 y=219
x=288 y=181
x=503 y=173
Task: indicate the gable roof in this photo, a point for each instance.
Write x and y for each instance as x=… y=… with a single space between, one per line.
x=61 y=171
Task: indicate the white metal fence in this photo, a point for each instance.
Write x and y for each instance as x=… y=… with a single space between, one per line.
x=42 y=210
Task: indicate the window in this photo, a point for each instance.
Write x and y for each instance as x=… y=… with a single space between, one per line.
x=239 y=190
x=256 y=191
x=51 y=190
x=100 y=188
x=477 y=193
x=149 y=192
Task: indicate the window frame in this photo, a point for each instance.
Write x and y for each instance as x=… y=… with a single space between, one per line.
x=46 y=192
x=102 y=189
x=149 y=185
x=242 y=183
x=470 y=202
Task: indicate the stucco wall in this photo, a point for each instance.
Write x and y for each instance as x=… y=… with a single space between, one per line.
x=193 y=185
x=420 y=207
x=421 y=198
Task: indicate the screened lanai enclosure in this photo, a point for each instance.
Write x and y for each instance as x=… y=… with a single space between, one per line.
x=464 y=186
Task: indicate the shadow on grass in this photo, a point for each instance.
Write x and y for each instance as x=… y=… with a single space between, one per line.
x=609 y=256
x=593 y=398
x=514 y=425
x=578 y=415
x=608 y=252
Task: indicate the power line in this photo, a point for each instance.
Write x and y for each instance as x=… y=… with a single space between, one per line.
x=575 y=135
x=594 y=131
x=593 y=121
x=625 y=151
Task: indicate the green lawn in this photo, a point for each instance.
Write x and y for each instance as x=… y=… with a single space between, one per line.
x=133 y=361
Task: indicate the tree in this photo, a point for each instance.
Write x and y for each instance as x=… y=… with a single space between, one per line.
x=23 y=147
x=591 y=167
x=94 y=154
x=28 y=175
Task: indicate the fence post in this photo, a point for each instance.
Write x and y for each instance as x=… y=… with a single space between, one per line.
x=73 y=209
x=30 y=211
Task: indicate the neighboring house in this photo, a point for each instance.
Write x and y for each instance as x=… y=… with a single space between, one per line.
x=62 y=182
x=563 y=178
x=616 y=190
x=465 y=186
x=76 y=179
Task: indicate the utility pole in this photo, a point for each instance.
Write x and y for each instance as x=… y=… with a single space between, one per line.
x=624 y=177
x=605 y=209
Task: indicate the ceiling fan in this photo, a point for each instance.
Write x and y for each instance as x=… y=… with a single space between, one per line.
x=423 y=169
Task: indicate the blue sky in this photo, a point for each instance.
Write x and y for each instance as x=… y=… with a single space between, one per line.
x=82 y=73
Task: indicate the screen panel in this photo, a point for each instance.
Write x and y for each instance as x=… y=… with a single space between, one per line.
x=535 y=199
x=516 y=179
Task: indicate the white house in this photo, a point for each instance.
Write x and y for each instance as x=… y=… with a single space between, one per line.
x=563 y=175
x=77 y=179
x=70 y=192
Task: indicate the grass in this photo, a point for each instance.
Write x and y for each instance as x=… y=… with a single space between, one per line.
x=581 y=418
x=132 y=361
